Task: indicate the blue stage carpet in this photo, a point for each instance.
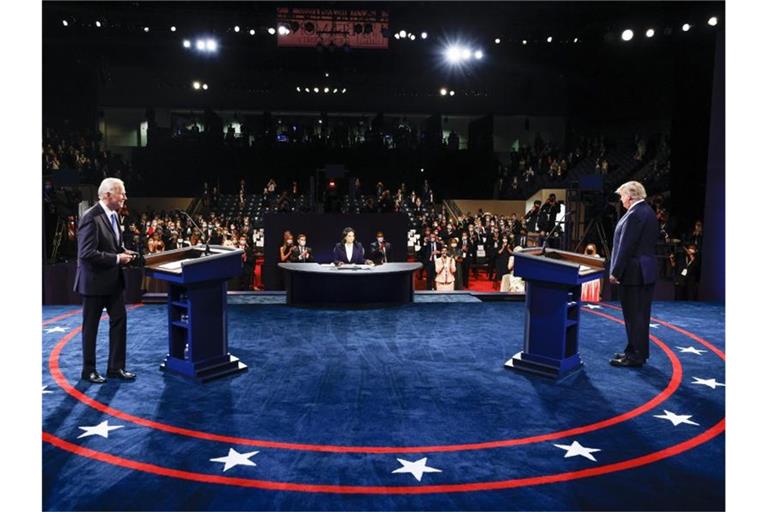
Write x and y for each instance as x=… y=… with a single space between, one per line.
x=343 y=406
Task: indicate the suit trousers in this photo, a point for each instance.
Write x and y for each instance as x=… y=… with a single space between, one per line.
x=93 y=305
x=636 y=308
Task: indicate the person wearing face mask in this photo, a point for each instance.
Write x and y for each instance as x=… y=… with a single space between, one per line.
x=301 y=253
x=464 y=258
x=379 y=251
x=248 y=263
x=445 y=271
x=687 y=268
x=429 y=253
x=454 y=251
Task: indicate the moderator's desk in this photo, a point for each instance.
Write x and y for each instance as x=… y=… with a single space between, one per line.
x=313 y=283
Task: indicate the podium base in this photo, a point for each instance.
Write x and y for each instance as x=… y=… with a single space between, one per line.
x=205 y=371
x=566 y=369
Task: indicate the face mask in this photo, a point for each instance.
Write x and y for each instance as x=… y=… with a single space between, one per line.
x=302 y=243
x=290 y=242
x=380 y=239
x=453 y=245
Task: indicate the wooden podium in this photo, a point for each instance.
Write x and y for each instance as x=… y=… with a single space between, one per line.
x=553 y=282
x=197 y=309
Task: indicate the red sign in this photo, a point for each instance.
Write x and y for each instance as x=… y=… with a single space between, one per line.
x=313 y=27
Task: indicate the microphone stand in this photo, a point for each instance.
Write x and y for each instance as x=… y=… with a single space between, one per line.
x=551 y=232
x=207 y=247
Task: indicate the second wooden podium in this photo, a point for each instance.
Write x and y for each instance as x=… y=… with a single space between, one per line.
x=198 y=347
x=553 y=282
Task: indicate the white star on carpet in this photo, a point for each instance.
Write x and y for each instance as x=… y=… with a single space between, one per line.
x=234 y=458
x=691 y=350
x=712 y=383
x=417 y=469
x=46 y=391
x=102 y=429
x=654 y=326
x=56 y=329
x=676 y=419
x=593 y=306
x=575 y=449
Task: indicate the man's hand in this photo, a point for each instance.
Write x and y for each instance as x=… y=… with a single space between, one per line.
x=124 y=258
x=613 y=280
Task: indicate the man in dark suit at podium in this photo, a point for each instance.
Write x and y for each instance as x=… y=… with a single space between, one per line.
x=634 y=270
x=101 y=257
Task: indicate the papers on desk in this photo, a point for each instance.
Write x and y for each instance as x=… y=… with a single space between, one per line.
x=352 y=266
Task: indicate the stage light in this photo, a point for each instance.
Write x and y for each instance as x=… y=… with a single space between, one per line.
x=575 y=39
x=211 y=45
x=686 y=27
x=98 y=24
x=271 y=31
x=325 y=90
x=319 y=121
x=306 y=89
x=173 y=28
x=283 y=30
x=525 y=41
x=403 y=33
x=650 y=33
x=344 y=91
x=443 y=91
x=316 y=89
x=712 y=21
x=413 y=37
x=497 y=41
x=478 y=54
x=466 y=53
x=627 y=35
x=186 y=43
x=65 y=23
x=237 y=28
x=200 y=45
x=327 y=75
x=196 y=85
x=335 y=91
x=298 y=89
x=453 y=54
x=423 y=35
x=397 y=35
x=452 y=93
x=252 y=32
x=205 y=86
x=146 y=29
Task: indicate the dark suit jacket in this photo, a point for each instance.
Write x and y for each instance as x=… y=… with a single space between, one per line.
x=426 y=252
x=376 y=255
x=296 y=252
x=98 y=272
x=633 y=261
x=340 y=254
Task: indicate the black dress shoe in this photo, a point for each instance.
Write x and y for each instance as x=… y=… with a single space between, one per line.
x=121 y=374
x=628 y=362
x=619 y=355
x=94 y=377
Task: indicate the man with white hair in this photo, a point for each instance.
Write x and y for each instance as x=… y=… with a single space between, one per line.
x=101 y=257
x=633 y=269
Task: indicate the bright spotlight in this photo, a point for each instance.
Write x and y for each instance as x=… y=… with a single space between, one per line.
x=575 y=39
x=237 y=28
x=327 y=75
x=686 y=27
x=335 y=91
x=306 y=89
x=397 y=35
x=423 y=35
x=712 y=21
x=497 y=41
x=627 y=35
x=146 y=29
x=65 y=23
x=316 y=89
x=452 y=93
x=252 y=32
x=205 y=86
x=478 y=54
x=298 y=89
x=466 y=53
x=173 y=28
x=402 y=33
x=326 y=90
x=525 y=41
x=443 y=91
x=271 y=31
x=344 y=91
x=283 y=30
x=211 y=45
x=549 y=39
x=650 y=32
x=413 y=37
x=453 y=54
x=98 y=24
x=187 y=43
x=196 y=85
x=200 y=45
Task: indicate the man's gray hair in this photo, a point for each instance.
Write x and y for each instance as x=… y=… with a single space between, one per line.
x=110 y=185
x=634 y=189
